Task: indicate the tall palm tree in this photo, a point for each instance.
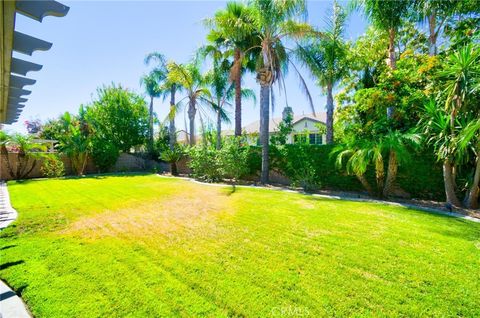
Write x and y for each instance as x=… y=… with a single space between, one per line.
x=189 y=77
x=435 y=12
x=165 y=87
x=275 y=23
x=325 y=57
x=150 y=81
x=387 y=16
x=222 y=92
x=217 y=79
x=233 y=28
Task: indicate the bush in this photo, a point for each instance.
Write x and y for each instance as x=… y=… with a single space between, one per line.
x=211 y=165
x=204 y=164
x=301 y=169
x=52 y=166
x=232 y=159
x=104 y=154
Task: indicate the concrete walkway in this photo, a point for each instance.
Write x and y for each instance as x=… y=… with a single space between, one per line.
x=11 y=306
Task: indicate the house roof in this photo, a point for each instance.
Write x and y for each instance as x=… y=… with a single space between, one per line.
x=254 y=127
x=11 y=86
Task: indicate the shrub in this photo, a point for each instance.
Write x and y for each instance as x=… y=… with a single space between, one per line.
x=204 y=164
x=104 y=154
x=52 y=166
x=232 y=159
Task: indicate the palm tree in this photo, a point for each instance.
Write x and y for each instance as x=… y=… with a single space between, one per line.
x=193 y=82
x=460 y=76
x=435 y=12
x=364 y=153
x=358 y=157
x=438 y=131
x=27 y=150
x=275 y=23
x=470 y=139
x=150 y=82
x=398 y=146
x=75 y=141
x=165 y=87
x=325 y=57
x=387 y=16
x=233 y=28
x=222 y=92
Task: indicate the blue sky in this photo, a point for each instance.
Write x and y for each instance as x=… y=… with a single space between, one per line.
x=100 y=42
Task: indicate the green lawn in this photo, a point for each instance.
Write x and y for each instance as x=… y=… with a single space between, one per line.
x=145 y=246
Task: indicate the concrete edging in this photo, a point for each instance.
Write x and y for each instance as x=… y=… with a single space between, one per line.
x=11 y=305
x=338 y=197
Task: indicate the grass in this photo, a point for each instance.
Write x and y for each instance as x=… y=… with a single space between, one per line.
x=145 y=246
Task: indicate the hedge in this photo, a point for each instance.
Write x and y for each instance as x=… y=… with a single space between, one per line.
x=421 y=177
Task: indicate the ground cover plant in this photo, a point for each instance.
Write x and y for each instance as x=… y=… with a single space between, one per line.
x=150 y=246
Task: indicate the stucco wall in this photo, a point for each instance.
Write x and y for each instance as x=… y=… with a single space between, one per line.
x=126 y=162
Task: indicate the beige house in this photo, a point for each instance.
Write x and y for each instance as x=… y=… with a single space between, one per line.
x=306 y=128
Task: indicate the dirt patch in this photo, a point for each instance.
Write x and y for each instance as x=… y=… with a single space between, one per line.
x=194 y=210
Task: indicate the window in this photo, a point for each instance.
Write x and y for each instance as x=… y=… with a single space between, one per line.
x=315 y=139
x=300 y=138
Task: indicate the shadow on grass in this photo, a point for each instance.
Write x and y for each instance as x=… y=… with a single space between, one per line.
x=88 y=176
x=10 y=264
x=6 y=247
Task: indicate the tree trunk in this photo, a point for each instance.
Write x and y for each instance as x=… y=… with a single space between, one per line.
x=472 y=197
x=238 y=92
x=432 y=39
x=173 y=169
x=264 y=123
x=172 y=132
x=330 y=107
x=379 y=174
x=191 y=116
x=392 y=63
x=150 y=126
x=365 y=184
x=449 y=184
x=219 y=130
x=391 y=173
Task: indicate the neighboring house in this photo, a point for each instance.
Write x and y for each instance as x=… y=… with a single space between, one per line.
x=306 y=128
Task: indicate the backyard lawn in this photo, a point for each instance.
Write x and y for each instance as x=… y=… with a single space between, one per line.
x=148 y=246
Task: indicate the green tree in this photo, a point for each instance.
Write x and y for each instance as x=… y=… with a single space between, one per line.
x=275 y=23
x=326 y=58
x=119 y=116
x=233 y=28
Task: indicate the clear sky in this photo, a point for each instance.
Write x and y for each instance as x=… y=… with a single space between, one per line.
x=100 y=42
